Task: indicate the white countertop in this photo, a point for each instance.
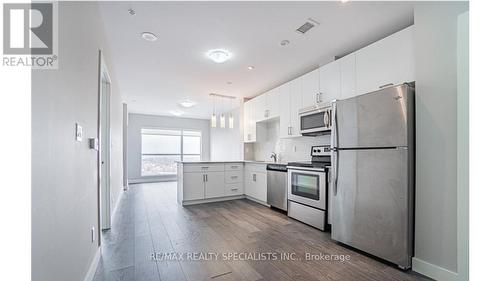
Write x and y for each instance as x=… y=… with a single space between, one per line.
x=231 y=161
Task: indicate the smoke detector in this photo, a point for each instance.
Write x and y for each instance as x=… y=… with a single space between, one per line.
x=310 y=23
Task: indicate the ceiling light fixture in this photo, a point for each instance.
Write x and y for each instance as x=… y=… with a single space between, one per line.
x=187 y=103
x=250 y=67
x=176 y=112
x=148 y=36
x=131 y=12
x=219 y=55
x=344 y=1
x=284 y=42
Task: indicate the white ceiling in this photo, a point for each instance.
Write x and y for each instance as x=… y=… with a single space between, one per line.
x=154 y=76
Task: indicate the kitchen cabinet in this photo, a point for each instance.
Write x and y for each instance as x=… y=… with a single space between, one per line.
x=214 y=185
x=285 y=122
x=329 y=82
x=256 y=182
x=310 y=88
x=259 y=103
x=387 y=62
x=290 y=102
x=249 y=126
x=348 y=76
x=272 y=105
x=194 y=186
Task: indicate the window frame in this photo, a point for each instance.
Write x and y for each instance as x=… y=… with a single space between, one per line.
x=181 y=135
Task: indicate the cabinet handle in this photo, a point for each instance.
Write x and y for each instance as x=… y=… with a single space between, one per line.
x=234 y=167
x=289 y=133
x=234 y=189
x=203 y=178
x=234 y=177
x=205 y=167
x=386 y=85
x=319 y=97
x=206 y=177
x=254 y=177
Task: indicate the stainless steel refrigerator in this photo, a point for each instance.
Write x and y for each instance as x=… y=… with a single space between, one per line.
x=373 y=150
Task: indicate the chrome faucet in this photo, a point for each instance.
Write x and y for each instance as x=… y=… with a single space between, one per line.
x=274 y=156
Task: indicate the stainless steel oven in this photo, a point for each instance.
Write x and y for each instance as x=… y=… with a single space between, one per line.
x=316 y=120
x=307 y=186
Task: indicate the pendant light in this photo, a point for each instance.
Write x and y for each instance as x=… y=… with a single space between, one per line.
x=214 y=117
x=222 y=117
x=231 y=119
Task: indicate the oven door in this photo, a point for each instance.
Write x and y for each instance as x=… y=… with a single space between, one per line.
x=307 y=186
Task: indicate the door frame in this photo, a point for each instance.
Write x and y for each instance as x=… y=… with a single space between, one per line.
x=104 y=190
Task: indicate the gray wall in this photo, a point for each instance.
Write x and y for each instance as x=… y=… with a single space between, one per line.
x=436 y=133
x=138 y=121
x=225 y=143
x=64 y=172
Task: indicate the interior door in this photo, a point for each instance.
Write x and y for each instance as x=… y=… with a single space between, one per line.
x=377 y=119
x=371 y=202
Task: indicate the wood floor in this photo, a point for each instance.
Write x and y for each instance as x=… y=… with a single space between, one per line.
x=149 y=220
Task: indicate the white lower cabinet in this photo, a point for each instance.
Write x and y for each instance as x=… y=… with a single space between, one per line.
x=194 y=186
x=256 y=184
x=214 y=185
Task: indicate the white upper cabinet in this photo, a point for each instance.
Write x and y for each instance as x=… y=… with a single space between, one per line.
x=284 y=98
x=387 y=62
x=249 y=126
x=348 y=76
x=272 y=103
x=310 y=88
x=329 y=82
x=295 y=106
x=260 y=107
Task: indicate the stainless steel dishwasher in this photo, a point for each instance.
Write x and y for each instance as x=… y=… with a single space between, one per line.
x=277 y=186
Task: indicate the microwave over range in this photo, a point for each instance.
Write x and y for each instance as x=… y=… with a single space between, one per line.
x=316 y=120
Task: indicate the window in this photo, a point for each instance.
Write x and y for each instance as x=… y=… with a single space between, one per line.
x=162 y=148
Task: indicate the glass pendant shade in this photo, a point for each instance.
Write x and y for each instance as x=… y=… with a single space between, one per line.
x=231 y=121
x=222 y=121
x=214 y=120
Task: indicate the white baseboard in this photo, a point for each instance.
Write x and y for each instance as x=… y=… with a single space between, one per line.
x=257 y=201
x=433 y=271
x=211 y=200
x=146 y=180
x=93 y=266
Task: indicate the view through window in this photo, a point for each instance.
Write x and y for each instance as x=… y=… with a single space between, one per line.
x=161 y=148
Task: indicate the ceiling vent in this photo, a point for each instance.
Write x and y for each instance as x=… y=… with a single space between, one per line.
x=310 y=23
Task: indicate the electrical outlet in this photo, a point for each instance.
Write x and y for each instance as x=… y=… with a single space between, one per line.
x=92 y=233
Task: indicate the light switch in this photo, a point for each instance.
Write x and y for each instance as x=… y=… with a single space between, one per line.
x=78 y=132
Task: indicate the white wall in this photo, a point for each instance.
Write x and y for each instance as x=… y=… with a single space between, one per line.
x=436 y=138
x=64 y=172
x=294 y=149
x=138 y=121
x=227 y=144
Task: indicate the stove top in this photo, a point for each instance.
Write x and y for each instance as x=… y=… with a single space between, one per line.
x=320 y=158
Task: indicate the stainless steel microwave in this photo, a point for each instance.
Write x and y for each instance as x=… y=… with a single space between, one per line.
x=316 y=120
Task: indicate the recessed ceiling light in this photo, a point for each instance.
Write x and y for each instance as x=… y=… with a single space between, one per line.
x=176 y=112
x=148 y=36
x=219 y=55
x=229 y=82
x=284 y=42
x=250 y=67
x=131 y=12
x=187 y=103
x=344 y=1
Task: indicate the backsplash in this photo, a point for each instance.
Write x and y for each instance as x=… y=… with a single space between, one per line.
x=268 y=141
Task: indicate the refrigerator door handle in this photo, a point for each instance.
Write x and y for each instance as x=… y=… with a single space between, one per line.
x=335 y=181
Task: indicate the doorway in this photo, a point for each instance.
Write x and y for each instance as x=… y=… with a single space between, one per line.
x=104 y=185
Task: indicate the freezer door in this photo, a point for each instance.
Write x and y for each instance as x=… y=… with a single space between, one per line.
x=371 y=203
x=377 y=119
